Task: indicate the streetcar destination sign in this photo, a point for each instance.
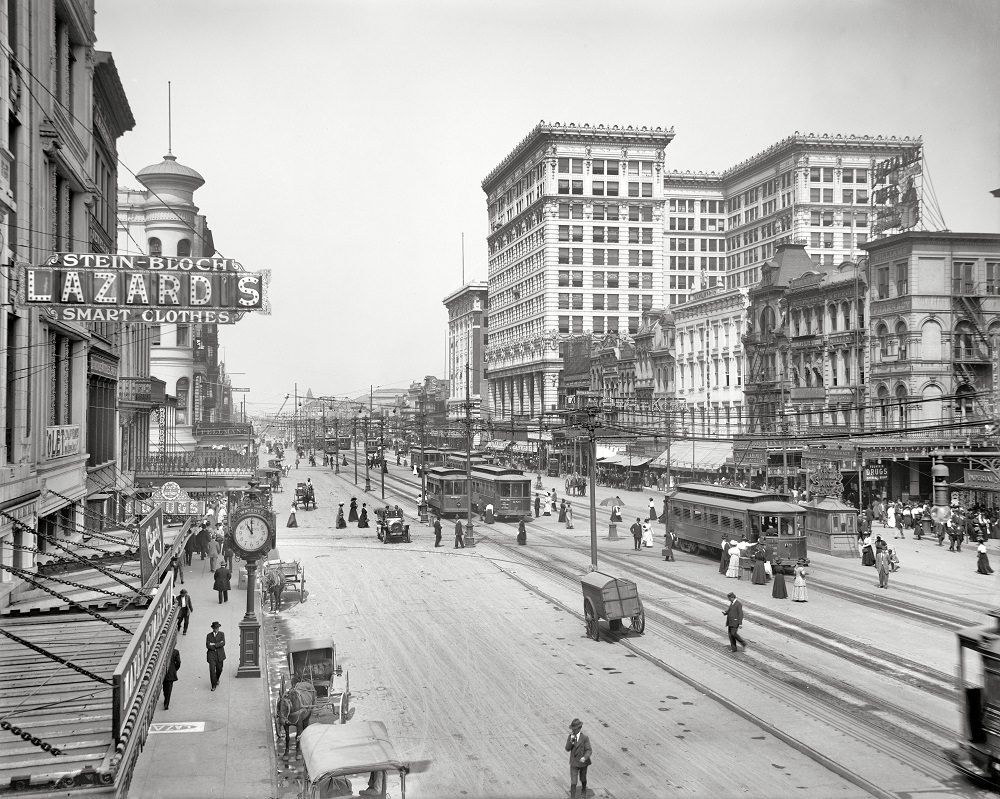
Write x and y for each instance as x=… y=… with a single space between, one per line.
x=94 y=287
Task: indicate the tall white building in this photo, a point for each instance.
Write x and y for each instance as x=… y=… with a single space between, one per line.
x=575 y=249
x=467 y=335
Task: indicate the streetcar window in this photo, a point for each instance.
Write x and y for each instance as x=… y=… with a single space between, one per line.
x=698 y=513
x=737 y=524
x=687 y=513
x=726 y=521
x=787 y=526
x=713 y=519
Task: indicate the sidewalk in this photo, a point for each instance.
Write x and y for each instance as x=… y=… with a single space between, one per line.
x=210 y=744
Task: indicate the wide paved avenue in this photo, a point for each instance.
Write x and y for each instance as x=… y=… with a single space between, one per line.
x=477 y=659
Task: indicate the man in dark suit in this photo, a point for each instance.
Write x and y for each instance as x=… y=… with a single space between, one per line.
x=215 y=643
x=538 y=504
x=578 y=746
x=186 y=609
x=734 y=620
x=636 y=530
x=437 y=531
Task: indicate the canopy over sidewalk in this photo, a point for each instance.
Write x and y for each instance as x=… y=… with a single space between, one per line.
x=708 y=455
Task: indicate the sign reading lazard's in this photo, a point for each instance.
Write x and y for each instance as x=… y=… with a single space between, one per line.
x=94 y=287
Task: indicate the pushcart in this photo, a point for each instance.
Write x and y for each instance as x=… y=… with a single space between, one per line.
x=613 y=599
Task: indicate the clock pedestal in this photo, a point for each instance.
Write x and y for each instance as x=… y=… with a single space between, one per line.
x=250 y=629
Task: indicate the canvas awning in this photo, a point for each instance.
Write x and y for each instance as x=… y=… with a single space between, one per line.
x=604 y=452
x=633 y=462
x=707 y=455
x=498 y=444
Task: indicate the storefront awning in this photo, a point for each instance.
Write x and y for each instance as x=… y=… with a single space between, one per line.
x=498 y=444
x=634 y=462
x=524 y=446
x=705 y=455
x=604 y=452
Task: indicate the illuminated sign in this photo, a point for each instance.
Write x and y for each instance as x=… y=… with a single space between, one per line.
x=896 y=192
x=175 y=501
x=877 y=472
x=93 y=287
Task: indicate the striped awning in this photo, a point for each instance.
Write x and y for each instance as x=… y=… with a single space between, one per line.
x=699 y=455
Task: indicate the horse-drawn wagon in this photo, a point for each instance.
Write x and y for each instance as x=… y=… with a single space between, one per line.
x=277 y=576
x=305 y=496
x=334 y=755
x=613 y=599
x=316 y=689
x=270 y=477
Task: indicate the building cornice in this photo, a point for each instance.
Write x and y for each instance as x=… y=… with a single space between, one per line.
x=594 y=134
x=713 y=179
x=825 y=142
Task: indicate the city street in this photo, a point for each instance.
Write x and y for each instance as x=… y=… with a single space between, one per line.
x=477 y=660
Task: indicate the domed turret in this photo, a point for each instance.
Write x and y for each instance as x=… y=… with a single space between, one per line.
x=172 y=181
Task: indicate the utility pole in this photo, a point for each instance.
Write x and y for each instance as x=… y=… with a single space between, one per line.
x=295 y=420
x=336 y=453
x=371 y=396
x=354 y=435
x=470 y=538
x=591 y=425
x=423 y=469
x=381 y=447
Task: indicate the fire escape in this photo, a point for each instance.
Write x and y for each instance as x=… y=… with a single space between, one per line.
x=971 y=359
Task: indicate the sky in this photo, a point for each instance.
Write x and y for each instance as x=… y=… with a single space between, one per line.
x=344 y=144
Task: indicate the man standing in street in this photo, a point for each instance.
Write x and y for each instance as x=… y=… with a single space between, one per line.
x=538 y=504
x=636 y=530
x=734 y=620
x=437 y=531
x=222 y=582
x=883 y=566
x=578 y=746
x=459 y=535
x=215 y=643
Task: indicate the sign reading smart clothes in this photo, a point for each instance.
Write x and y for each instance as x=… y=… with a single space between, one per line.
x=96 y=287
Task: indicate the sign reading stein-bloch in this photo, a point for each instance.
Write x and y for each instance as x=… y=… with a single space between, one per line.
x=95 y=287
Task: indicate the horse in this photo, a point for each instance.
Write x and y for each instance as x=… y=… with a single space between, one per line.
x=273 y=585
x=294 y=709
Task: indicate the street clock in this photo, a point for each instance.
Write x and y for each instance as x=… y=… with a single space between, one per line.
x=252 y=532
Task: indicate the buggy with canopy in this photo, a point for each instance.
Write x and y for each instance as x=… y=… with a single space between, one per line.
x=346 y=761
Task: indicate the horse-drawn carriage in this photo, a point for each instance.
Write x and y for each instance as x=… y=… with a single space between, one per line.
x=334 y=755
x=390 y=525
x=316 y=689
x=305 y=496
x=271 y=477
x=277 y=576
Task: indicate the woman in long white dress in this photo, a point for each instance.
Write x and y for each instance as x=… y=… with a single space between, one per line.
x=734 y=560
x=647 y=534
x=890 y=521
x=799 y=591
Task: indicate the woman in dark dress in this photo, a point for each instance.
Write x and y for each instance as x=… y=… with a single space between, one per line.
x=363 y=518
x=341 y=522
x=562 y=511
x=724 y=562
x=868 y=553
x=522 y=534
x=353 y=515
x=983 y=560
x=759 y=576
x=779 y=591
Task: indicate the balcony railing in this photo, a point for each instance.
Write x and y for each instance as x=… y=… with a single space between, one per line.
x=224 y=462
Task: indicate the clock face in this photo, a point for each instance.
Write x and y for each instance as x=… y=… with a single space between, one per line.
x=251 y=533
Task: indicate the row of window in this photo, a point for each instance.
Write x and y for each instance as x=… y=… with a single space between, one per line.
x=602 y=302
x=599 y=324
x=601 y=188
x=704 y=224
x=609 y=280
x=848 y=219
x=688 y=206
x=610 y=213
x=824 y=174
x=605 y=166
x=574 y=255
x=609 y=235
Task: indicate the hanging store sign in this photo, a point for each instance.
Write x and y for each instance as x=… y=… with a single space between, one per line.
x=877 y=472
x=175 y=501
x=896 y=192
x=150 y=544
x=982 y=479
x=92 y=287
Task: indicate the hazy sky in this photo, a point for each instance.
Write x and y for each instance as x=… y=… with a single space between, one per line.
x=343 y=143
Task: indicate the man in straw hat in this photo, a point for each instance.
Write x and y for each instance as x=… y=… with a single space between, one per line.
x=578 y=746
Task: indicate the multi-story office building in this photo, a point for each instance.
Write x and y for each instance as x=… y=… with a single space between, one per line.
x=65 y=109
x=575 y=249
x=694 y=233
x=467 y=335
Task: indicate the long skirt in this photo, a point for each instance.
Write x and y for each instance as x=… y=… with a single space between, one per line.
x=800 y=593
x=759 y=576
x=291 y=521
x=341 y=523
x=779 y=591
x=653 y=516
x=734 y=566
x=562 y=515
x=868 y=557
x=647 y=538
x=724 y=562
x=353 y=515
x=983 y=564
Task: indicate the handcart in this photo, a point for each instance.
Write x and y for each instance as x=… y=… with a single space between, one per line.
x=613 y=599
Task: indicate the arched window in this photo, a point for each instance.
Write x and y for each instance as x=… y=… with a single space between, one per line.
x=767 y=320
x=833 y=318
x=901 y=336
x=183 y=386
x=184 y=248
x=884 y=408
x=846 y=310
x=963 y=340
x=155 y=247
x=904 y=409
x=882 y=336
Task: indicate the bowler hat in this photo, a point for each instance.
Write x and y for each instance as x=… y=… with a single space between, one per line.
x=576 y=724
x=731 y=595
x=215 y=625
